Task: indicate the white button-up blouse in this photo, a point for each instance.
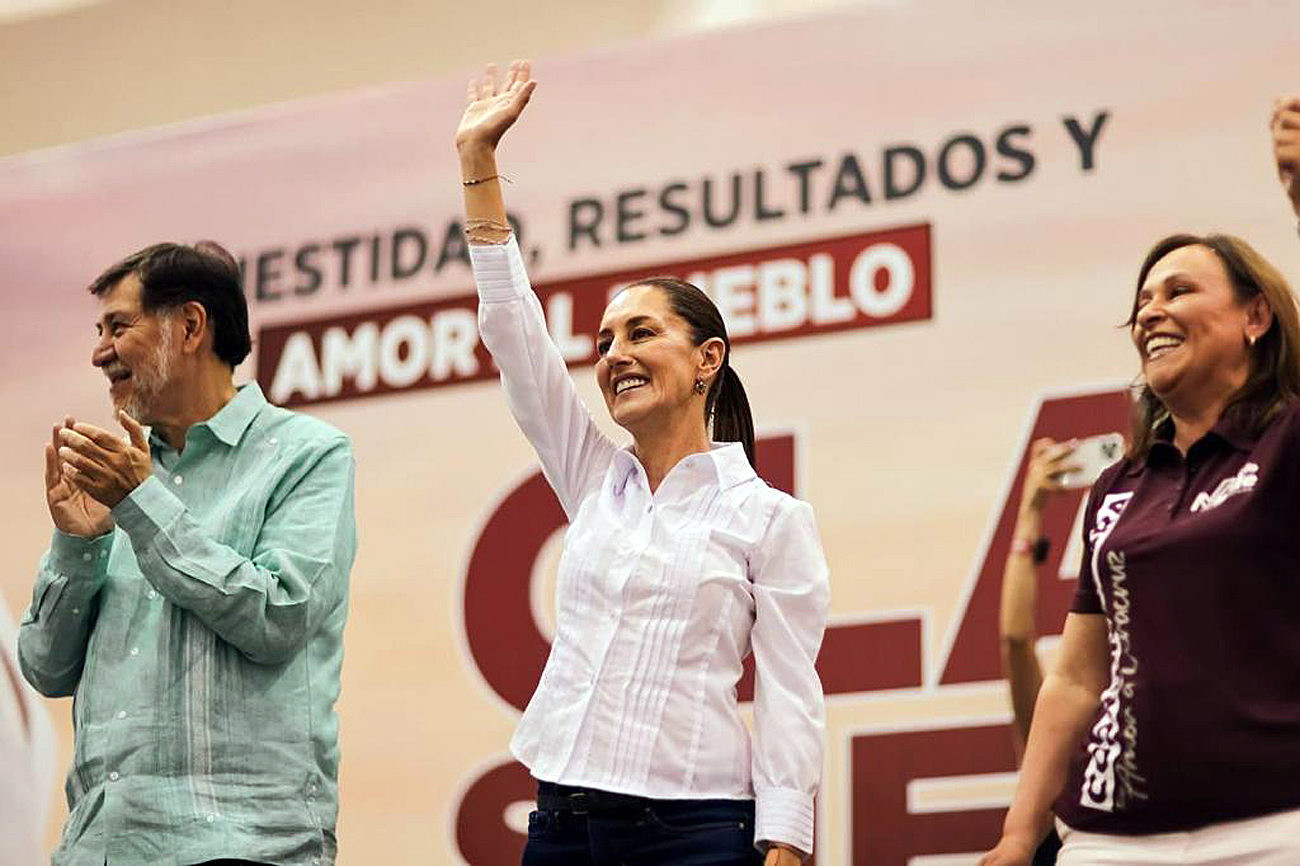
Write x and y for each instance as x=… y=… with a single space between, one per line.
x=659 y=598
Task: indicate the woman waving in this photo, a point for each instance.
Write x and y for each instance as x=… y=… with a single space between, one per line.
x=679 y=561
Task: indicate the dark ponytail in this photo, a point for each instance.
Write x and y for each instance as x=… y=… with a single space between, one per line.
x=725 y=403
x=732 y=420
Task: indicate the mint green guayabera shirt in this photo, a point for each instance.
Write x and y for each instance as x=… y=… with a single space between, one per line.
x=202 y=640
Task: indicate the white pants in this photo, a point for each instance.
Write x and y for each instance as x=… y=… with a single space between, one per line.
x=1272 y=840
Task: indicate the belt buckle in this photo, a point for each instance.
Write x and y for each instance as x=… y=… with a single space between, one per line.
x=579 y=800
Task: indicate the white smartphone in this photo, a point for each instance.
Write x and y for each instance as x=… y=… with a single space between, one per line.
x=1092 y=455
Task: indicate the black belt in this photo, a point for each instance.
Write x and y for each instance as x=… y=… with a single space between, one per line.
x=585 y=801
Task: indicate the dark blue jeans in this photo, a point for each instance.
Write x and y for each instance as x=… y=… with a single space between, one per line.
x=659 y=833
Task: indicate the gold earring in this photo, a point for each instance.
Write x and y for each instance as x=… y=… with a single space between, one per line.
x=699 y=386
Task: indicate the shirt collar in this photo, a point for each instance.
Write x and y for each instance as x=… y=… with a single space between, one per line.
x=1231 y=430
x=232 y=419
x=725 y=461
x=731 y=464
x=1228 y=431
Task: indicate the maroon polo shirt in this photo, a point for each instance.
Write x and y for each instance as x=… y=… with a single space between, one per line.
x=1195 y=562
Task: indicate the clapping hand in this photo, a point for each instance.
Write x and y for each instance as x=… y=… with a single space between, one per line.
x=103 y=466
x=73 y=510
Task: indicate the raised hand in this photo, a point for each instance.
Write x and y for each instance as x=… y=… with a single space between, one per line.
x=104 y=466
x=71 y=508
x=493 y=109
x=1285 y=125
x=1048 y=462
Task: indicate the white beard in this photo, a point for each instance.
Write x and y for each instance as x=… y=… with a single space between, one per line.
x=149 y=378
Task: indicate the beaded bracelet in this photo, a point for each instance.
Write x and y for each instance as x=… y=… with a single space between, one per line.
x=487 y=231
x=479 y=180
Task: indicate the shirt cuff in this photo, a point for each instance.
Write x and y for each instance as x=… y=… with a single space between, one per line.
x=80 y=559
x=146 y=510
x=499 y=271
x=784 y=815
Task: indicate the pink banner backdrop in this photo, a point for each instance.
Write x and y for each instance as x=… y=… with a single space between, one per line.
x=923 y=226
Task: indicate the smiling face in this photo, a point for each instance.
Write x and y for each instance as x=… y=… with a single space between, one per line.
x=1190 y=329
x=648 y=362
x=136 y=350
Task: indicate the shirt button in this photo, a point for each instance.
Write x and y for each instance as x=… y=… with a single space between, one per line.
x=272 y=440
x=135 y=650
x=153 y=593
x=86 y=556
x=211 y=818
x=121 y=714
x=103 y=554
x=113 y=776
x=176 y=479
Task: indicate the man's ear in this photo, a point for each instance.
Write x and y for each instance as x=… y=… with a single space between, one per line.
x=193 y=317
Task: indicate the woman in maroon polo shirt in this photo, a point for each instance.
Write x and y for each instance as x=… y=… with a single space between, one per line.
x=1179 y=668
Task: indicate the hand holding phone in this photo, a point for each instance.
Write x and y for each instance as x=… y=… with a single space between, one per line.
x=1090 y=458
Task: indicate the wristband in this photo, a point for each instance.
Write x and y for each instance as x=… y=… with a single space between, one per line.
x=1041 y=546
x=1036 y=548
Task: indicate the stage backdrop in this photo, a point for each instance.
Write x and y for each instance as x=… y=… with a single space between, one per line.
x=923 y=224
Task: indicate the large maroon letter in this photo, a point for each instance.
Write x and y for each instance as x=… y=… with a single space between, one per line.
x=885 y=833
